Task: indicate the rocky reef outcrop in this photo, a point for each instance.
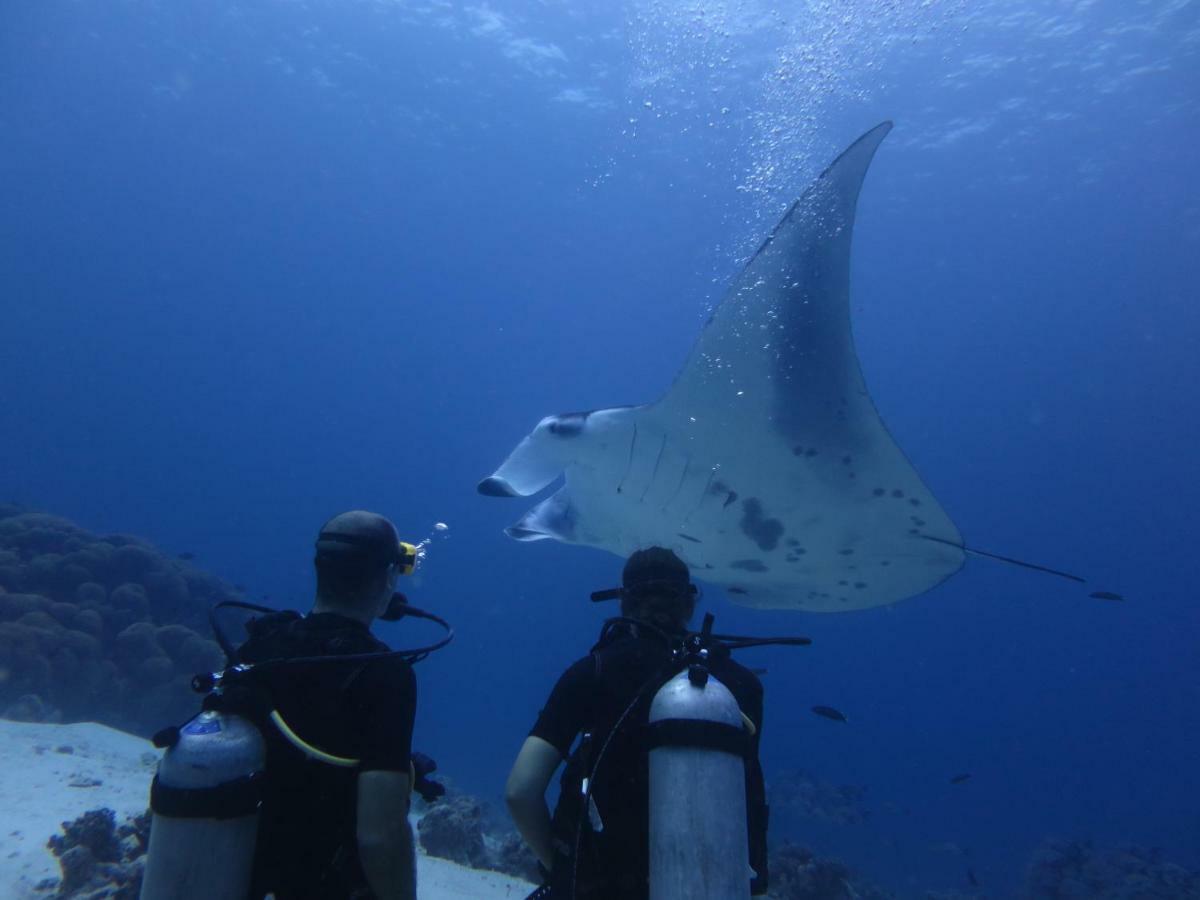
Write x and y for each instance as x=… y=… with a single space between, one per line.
x=798 y=874
x=100 y=628
x=100 y=860
x=457 y=828
x=1069 y=870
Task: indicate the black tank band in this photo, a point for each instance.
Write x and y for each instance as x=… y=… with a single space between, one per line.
x=230 y=800
x=701 y=733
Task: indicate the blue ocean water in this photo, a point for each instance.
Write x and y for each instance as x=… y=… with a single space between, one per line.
x=261 y=262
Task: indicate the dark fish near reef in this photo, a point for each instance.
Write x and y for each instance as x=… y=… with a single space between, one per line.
x=1105 y=595
x=959 y=779
x=830 y=713
x=189 y=556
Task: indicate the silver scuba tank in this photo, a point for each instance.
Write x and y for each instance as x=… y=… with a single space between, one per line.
x=697 y=791
x=205 y=801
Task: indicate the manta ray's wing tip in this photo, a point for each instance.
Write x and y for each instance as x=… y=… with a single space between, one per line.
x=496 y=487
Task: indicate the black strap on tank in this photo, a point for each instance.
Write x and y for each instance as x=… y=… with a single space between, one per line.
x=702 y=733
x=230 y=800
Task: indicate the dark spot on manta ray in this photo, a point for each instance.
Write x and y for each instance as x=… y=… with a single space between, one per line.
x=914 y=501
x=720 y=487
x=846 y=552
x=792 y=542
x=897 y=493
x=886 y=562
x=845 y=460
x=810 y=453
x=860 y=584
x=749 y=565
x=569 y=425
x=843 y=584
x=879 y=492
x=763 y=531
x=737 y=590
x=688 y=537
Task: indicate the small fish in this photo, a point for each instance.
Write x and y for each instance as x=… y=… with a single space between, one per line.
x=830 y=713
x=974 y=882
x=959 y=779
x=1105 y=595
x=188 y=555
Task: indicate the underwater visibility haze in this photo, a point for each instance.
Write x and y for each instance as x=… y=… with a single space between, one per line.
x=265 y=261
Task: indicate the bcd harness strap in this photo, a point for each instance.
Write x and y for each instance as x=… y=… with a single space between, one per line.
x=700 y=733
x=230 y=800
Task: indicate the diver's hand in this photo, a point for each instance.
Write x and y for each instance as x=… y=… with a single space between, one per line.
x=429 y=789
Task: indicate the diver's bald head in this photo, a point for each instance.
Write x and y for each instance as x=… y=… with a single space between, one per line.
x=355 y=552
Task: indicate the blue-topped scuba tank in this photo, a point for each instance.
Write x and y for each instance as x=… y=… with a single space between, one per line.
x=205 y=800
x=698 y=741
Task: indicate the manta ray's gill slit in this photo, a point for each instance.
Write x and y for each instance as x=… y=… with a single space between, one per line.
x=654 y=474
x=687 y=464
x=629 y=464
x=704 y=493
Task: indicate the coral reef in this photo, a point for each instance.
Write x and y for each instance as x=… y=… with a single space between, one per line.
x=453 y=830
x=98 y=628
x=796 y=874
x=1067 y=870
x=801 y=793
x=99 y=859
x=457 y=828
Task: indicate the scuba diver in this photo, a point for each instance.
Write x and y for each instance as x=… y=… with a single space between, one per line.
x=295 y=780
x=327 y=831
x=603 y=841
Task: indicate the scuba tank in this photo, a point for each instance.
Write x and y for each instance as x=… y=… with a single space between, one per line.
x=697 y=791
x=205 y=800
x=206 y=796
x=698 y=742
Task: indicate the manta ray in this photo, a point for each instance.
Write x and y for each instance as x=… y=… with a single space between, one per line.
x=765 y=466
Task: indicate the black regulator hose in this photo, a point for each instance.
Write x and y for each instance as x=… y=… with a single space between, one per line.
x=397 y=609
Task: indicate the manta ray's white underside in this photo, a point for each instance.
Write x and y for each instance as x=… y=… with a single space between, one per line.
x=765 y=467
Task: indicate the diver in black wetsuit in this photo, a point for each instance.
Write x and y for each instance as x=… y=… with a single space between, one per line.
x=331 y=831
x=594 y=699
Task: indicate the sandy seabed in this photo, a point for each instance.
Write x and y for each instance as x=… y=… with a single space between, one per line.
x=50 y=774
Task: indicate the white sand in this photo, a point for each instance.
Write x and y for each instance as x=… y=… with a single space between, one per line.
x=43 y=784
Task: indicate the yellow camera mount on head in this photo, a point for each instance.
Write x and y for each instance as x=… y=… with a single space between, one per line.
x=407 y=560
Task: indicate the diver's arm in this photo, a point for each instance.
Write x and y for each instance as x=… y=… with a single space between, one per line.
x=525 y=795
x=385 y=839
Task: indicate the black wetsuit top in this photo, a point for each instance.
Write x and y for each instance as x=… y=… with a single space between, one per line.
x=307 y=845
x=587 y=701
